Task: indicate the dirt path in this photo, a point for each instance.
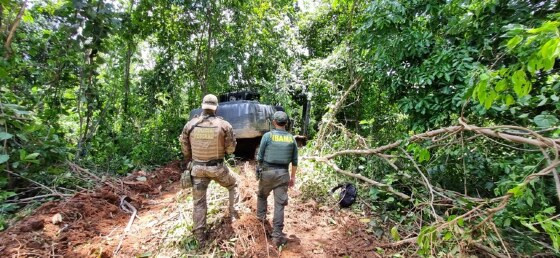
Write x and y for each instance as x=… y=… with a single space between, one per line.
x=92 y=224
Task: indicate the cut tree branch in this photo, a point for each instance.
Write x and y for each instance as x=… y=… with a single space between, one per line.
x=13 y=28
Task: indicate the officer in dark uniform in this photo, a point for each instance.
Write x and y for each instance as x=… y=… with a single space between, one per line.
x=277 y=150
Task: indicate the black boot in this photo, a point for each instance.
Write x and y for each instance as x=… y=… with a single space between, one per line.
x=279 y=241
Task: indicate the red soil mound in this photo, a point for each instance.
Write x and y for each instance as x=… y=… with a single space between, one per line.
x=82 y=225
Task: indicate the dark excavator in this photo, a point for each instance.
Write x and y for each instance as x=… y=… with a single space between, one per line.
x=251 y=120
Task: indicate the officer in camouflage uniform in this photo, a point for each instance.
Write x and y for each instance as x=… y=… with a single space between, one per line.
x=205 y=140
x=277 y=150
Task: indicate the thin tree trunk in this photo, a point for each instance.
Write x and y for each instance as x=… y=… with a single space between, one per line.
x=127 y=76
x=130 y=46
x=11 y=34
x=89 y=99
x=79 y=98
x=204 y=86
x=1 y=15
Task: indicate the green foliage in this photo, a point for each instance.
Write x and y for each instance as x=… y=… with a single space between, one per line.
x=109 y=85
x=536 y=50
x=423 y=64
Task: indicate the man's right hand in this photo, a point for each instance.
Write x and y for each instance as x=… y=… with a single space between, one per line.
x=292 y=181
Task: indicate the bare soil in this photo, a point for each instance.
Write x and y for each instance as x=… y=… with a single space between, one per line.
x=92 y=224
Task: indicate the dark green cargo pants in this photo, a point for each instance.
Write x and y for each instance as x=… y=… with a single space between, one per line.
x=273 y=180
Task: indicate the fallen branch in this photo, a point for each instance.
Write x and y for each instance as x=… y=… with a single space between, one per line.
x=426 y=183
x=543 y=142
x=399 y=243
x=509 y=134
x=367 y=180
x=96 y=179
x=39 y=197
x=488 y=250
x=328 y=118
x=377 y=151
x=53 y=191
x=128 y=208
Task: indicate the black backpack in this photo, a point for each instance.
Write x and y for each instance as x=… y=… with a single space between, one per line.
x=348 y=194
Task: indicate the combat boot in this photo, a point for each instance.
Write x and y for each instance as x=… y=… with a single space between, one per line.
x=279 y=241
x=201 y=238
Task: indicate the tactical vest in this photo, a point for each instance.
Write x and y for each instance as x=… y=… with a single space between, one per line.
x=207 y=141
x=280 y=149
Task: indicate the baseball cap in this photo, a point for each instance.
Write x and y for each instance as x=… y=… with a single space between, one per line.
x=280 y=117
x=210 y=101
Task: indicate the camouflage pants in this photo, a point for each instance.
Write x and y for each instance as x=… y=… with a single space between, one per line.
x=202 y=175
x=276 y=181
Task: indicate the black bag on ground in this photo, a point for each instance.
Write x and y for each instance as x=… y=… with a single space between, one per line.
x=348 y=194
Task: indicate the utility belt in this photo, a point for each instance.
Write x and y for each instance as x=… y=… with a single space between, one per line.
x=210 y=163
x=275 y=165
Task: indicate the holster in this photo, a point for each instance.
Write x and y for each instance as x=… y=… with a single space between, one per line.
x=186 y=177
x=258 y=173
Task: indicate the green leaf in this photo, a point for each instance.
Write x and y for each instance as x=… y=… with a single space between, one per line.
x=531 y=227
x=521 y=86
x=534 y=65
x=22 y=154
x=447 y=236
x=517 y=191
x=395 y=233
x=549 y=26
x=545 y=120
x=549 y=210
x=27 y=17
x=490 y=97
x=5 y=136
x=501 y=85
x=31 y=156
x=548 y=50
x=530 y=201
x=461 y=222
x=509 y=100
x=514 y=42
x=548 y=63
x=4 y=158
x=3 y=72
x=543 y=101
x=481 y=91
x=424 y=155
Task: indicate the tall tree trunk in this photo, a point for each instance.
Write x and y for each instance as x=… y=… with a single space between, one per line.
x=1 y=15
x=204 y=86
x=127 y=76
x=129 y=51
x=11 y=34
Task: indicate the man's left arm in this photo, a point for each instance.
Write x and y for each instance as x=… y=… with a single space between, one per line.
x=230 y=141
x=294 y=164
